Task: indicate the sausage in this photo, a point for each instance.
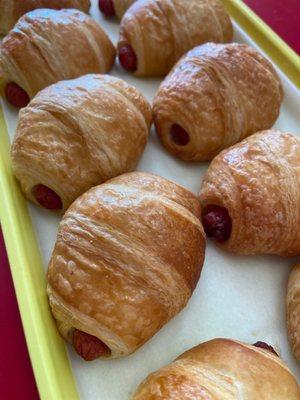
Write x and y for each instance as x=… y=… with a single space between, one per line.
x=47 y=198
x=107 y=8
x=265 y=346
x=216 y=222
x=127 y=58
x=15 y=95
x=179 y=135
x=88 y=347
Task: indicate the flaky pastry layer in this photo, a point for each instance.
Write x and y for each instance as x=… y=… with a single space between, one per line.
x=47 y=46
x=79 y=133
x=222 y=369
x=127 y=258
x=219 y=94
x=161 y=31
x=258 y=182
x=12 y=10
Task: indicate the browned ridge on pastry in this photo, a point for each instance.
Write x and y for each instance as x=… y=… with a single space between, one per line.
x=77 y=134
x=12 y=10
x=293 y=310
x=250 y=196
x=127 y=259
x=47 y=46
x=222 y=369
x=215 y=96
x=111 y=8
x=154 y=34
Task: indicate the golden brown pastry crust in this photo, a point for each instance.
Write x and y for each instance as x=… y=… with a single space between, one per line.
x=77 y=134
x=121 y=6
x=160 y=32
x=258 y=182
x=12 y=10
x=293 y=310
x=219 y=94
x=222 y=369
x=47 y=46
x=127 y=258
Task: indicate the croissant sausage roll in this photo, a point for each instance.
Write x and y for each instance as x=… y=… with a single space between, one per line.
x=111 y=8
x=127 y=258
x=251 y=196
x=293 y=310
x=215 y=96
x=154 y=34
x=47 y=46
x=12 y=10
x=222 y=369
x=77 y=134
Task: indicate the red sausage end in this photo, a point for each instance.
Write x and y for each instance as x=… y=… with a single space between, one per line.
x=216 y=222
x=47 y=198
x=127 y=58
x=179 y=135
x=15 y=95
x=265 y=346
x=107 y=8
x=87 y=346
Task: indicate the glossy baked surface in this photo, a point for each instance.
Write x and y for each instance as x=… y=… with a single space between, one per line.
x=12 y=10
x=175 y=26
x=219 y=94
x=258 y=182
x=94 y=128
x=222 y=369
x=127 y=258
x=47 y=46
x=252 y=288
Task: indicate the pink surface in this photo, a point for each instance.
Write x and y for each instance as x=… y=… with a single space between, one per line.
x=282 y=16
x=16 y=378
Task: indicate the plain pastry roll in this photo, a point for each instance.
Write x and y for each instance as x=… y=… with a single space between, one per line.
x=250 y=196
x=215 y=96
x=111 y=8
x=293 y=310
x=127 y=258
x=222 y=369
x=77 y=134
x=154 y=34
x=47 y=46
x=12 y=10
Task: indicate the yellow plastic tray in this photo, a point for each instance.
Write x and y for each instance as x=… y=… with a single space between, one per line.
x=47 y=351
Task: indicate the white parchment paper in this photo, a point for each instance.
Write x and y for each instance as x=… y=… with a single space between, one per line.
x=237 y=297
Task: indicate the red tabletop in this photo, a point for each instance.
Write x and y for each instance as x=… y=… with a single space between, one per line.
x=16 y=377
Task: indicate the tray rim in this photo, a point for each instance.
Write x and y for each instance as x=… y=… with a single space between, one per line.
x=286 y=59
x=47 y=351
x=52 y=370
